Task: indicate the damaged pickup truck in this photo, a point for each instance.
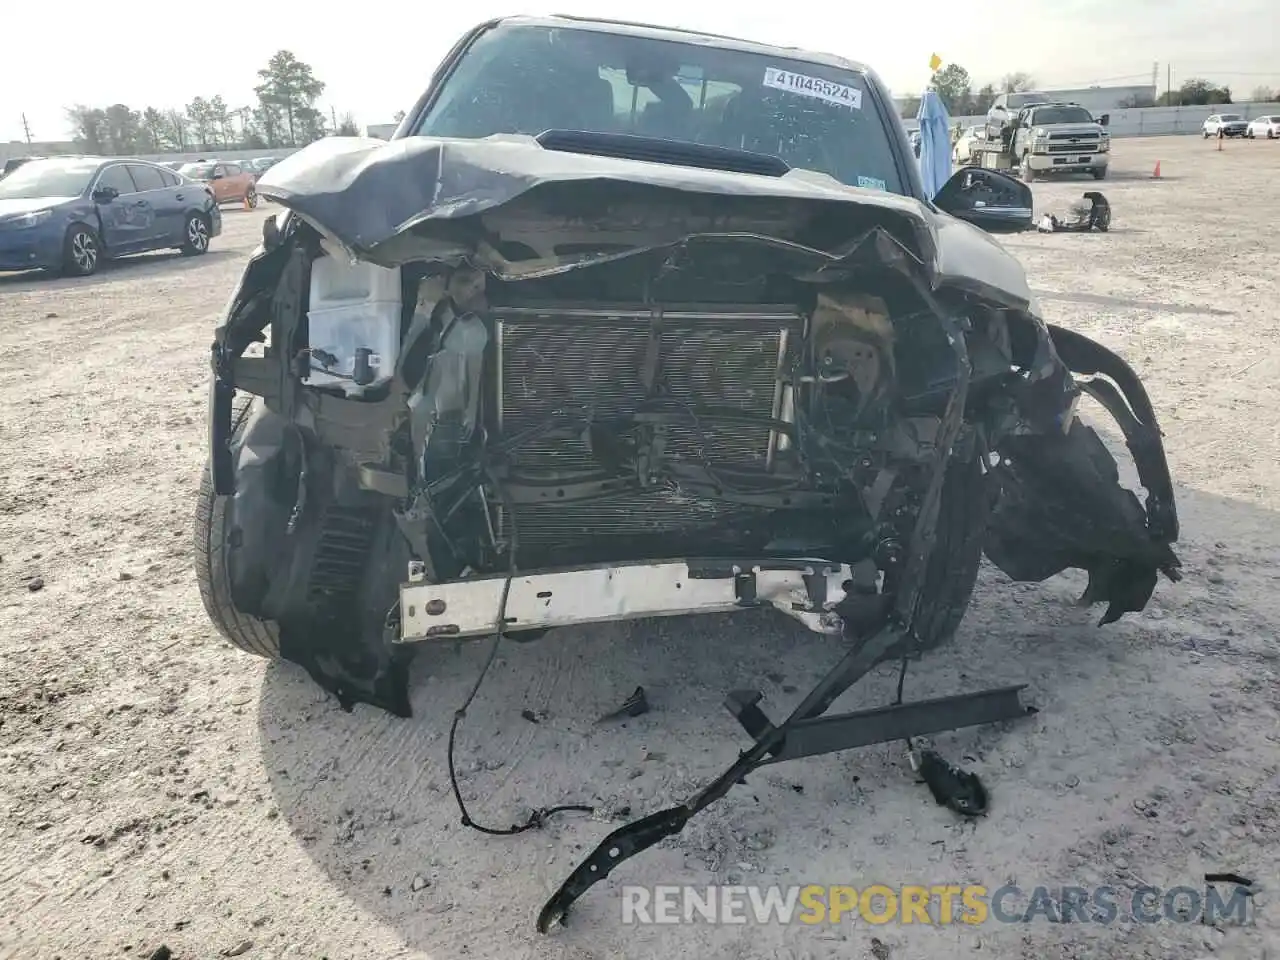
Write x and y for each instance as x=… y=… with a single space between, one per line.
x=629 y=322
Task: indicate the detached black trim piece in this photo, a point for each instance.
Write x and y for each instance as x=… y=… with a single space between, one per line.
x=902 y=721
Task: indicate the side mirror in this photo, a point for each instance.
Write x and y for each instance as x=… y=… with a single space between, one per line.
x=216 y=176
x=988 y=199
x=1105 y=119
x=105 y=194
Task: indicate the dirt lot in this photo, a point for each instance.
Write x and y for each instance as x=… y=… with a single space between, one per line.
x=157 y=787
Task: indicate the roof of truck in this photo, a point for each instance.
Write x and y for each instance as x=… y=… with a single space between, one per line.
x=681 y=35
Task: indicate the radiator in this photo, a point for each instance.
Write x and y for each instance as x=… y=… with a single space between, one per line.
x=571 y=357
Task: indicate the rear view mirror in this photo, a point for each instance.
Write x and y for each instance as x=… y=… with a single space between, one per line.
x=987 y=199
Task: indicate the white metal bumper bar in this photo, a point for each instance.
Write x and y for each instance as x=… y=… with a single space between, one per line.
x=807 y=590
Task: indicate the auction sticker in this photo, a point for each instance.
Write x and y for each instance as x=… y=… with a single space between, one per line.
x=814 y=87
x=872 y=183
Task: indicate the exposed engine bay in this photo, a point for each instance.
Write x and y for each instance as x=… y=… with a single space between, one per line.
x=620 y=397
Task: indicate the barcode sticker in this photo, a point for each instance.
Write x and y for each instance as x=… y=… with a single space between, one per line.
x=814 y=87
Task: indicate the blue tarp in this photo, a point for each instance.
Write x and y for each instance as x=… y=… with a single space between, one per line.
x=935 y=143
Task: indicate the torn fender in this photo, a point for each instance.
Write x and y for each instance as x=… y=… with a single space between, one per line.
x=1058 y=501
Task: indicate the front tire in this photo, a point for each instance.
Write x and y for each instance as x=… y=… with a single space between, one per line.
x=1028 y=175
x=259 y=637
x=251 y=197
x=195 y=236
x=1099 y=173
x=81 y=252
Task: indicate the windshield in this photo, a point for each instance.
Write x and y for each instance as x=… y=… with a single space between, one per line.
x=48 y=178
x=1232 y=116
x=1047 y=115
x=197 y=171
x=521 y=79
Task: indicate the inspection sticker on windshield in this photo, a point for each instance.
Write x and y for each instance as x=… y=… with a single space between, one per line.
x=814 y=87
x=872 y=183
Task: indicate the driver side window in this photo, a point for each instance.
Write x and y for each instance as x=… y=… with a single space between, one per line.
x=117 y=176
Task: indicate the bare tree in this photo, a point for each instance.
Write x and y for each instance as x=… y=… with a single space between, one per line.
x=202 y=127
x=984 y=98
x=176 y=129
x=1017 y=82
x=153 y=127
x=1263 y=95
x=88 y=127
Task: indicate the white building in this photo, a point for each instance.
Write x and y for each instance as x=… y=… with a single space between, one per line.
x=1102 y=99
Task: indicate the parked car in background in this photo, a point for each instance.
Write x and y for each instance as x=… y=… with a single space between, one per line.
x=1268 y=127
x=1228 y=124
x=13 y=163
x=230 y=182
x=173 y=164
x=962 y=152
x=67 y=214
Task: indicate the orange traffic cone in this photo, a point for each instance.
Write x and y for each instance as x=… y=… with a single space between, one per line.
x=1155 y=174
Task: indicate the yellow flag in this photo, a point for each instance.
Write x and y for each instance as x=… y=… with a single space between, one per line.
x=935 y=62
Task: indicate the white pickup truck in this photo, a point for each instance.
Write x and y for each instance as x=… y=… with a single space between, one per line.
x=1043 y=138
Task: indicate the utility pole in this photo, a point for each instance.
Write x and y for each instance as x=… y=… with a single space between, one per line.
x=333 y=115
x=26 y=128
x=1168 y=89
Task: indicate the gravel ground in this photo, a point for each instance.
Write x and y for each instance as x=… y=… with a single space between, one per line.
x=157 y=787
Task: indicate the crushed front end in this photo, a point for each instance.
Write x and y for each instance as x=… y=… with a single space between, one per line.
x=585 y=400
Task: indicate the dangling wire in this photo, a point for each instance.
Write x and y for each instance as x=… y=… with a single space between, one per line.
x=539 y=816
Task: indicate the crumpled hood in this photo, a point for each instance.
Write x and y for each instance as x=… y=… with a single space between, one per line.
x=365 y=193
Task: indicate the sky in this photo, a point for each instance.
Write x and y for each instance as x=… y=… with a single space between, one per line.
x=376 y=56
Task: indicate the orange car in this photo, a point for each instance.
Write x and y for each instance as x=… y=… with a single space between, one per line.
x=230 y=182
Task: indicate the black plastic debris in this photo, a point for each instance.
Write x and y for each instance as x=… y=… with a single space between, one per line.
x=1091 y=212
x=634 y=706
x=1228 y=878
x=958 y=789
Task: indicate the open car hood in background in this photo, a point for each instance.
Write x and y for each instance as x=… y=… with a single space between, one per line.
x=370 y=194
